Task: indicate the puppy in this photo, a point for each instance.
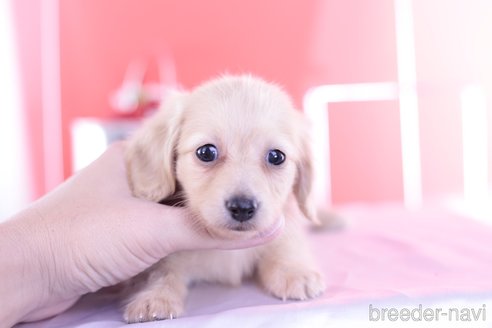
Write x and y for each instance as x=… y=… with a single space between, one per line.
x=236 y=151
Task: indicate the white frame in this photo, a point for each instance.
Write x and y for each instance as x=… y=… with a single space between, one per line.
x=317 y=100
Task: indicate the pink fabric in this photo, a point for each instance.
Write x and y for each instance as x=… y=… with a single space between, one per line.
x=386 y=251
x=383 y=253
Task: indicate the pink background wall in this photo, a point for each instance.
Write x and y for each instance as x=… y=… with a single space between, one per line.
x=27 y=23
x=300 y=44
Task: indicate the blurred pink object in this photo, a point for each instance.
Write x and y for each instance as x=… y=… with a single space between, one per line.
x=135 y=95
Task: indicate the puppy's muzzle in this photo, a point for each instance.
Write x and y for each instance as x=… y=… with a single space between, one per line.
x=241 y=208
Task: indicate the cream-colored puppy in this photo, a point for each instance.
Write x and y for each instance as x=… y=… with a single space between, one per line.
x=236 y=151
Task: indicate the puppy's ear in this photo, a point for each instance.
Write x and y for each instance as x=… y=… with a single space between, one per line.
x=304 y=181
x=150 y=154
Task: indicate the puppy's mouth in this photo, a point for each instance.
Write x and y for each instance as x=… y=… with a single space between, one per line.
x=240 y=226
x=244 y=229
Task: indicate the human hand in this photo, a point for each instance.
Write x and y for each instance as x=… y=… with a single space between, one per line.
x=91 y=233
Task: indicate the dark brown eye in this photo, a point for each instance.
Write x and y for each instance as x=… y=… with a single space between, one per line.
x=207 y=153
x=275 y=157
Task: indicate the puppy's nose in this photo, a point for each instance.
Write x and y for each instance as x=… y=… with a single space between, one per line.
x=241 y=208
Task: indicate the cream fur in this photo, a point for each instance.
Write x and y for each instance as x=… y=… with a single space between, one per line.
x=244 y=117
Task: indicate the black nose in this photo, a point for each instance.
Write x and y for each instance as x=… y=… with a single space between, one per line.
x=241 y=208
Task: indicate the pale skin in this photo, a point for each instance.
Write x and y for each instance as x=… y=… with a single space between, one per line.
x=87 y=234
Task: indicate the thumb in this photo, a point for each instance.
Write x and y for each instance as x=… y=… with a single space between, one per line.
x=165 y=229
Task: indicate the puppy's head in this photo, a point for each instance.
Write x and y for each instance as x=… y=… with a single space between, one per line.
x=236 y=146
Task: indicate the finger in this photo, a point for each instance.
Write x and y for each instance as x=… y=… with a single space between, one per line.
x=190 y=237
x=166 y=229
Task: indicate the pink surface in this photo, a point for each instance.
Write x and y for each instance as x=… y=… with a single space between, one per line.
x=384 y=253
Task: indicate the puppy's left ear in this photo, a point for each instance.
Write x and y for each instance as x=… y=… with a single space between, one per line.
x=304 y=180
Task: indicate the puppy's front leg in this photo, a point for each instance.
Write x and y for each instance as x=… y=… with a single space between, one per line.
x=162 y=297
x=286 y=268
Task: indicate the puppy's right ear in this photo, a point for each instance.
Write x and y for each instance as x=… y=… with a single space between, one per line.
x=150 y=154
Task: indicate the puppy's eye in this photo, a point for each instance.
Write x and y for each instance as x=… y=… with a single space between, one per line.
x=275 y=157
x=207 y=153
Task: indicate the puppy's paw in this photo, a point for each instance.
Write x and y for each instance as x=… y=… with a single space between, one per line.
x=150 y=306
x=293 y=283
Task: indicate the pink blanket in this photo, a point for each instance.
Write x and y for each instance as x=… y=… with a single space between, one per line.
x=383 y=253
x=386 y=251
